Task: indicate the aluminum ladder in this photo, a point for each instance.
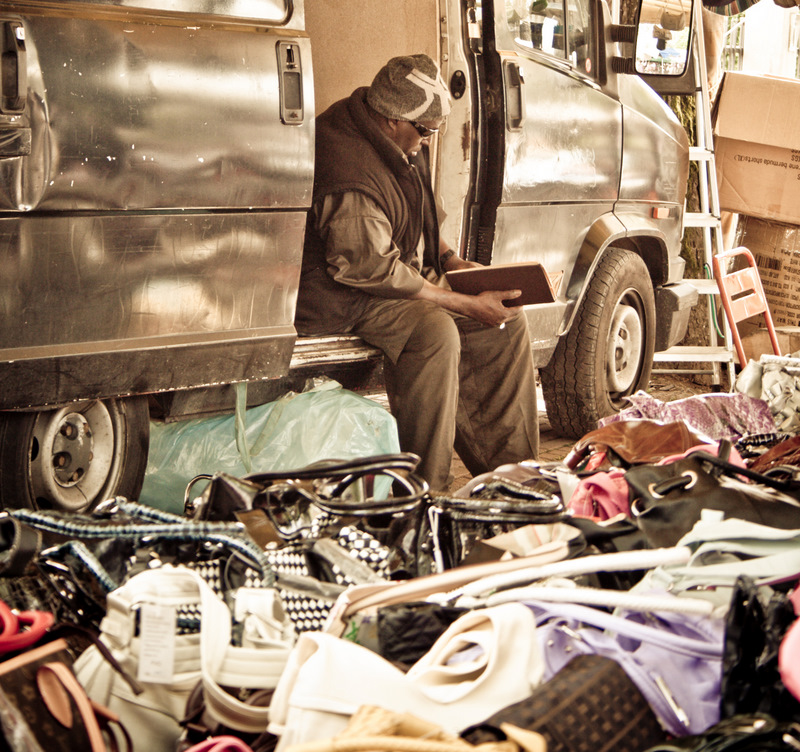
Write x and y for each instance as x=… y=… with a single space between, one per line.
x=708 y=219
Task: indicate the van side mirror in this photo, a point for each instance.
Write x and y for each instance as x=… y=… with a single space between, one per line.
x=663 y=40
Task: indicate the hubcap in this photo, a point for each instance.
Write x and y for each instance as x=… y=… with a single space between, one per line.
x=625 y=348
x=72 y=455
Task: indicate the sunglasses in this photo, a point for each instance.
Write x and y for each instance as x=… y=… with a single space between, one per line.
x=423 y=131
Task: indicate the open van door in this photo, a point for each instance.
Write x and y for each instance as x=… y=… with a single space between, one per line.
x=580 y=166
x=554 y=137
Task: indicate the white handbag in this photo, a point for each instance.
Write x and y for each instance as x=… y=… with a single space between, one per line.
x=206 y=656
x=721 y=551
x=487 y=659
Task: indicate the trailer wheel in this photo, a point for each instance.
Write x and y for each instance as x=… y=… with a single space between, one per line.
x=608 y=352
x=74 y=457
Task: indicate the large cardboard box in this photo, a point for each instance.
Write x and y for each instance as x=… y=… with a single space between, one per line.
x=756 y=341
x=757 y=146
x=776 y=248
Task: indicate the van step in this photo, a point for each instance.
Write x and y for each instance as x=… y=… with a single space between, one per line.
x=689 y=354
x=336 y=348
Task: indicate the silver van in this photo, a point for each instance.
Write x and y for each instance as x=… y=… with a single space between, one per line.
x=156 y=166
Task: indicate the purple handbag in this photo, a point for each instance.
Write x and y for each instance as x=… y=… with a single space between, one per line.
x=675 y=659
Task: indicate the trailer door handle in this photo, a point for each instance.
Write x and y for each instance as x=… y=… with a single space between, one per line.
x=15 y=140
x=14 y=79
x=515 y=100
x=290 y=81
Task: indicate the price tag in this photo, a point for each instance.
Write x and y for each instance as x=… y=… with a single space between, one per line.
x=157 y=624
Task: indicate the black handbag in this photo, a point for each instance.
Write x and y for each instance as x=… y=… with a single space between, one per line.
x=456 y=525
x=756 y=622
x=591 y=705
x=667 y=500
x=742 y=733
x=323 y=527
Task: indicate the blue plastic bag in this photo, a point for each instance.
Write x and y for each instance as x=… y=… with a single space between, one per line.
x=327 y=422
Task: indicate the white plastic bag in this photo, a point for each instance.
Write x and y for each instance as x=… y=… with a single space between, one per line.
x=327 y=422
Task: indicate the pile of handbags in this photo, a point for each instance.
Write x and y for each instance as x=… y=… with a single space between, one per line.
x=639 y=596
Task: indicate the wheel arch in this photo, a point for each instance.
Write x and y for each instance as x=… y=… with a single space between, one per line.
x=647 y=242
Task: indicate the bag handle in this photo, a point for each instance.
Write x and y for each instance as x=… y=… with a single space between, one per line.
x=57 y=686
x=604 y=597
x=599 y=619
x=154 y=524
x=617 y=561
x=220 y=744
x=732 y=470
x=341 y=468
x=37 y=623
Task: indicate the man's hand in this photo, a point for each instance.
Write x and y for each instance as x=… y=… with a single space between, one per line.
x=456 y=262
x=487 y=307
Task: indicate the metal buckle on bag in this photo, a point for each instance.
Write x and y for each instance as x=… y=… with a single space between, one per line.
x=673 y=484
x=108 y=507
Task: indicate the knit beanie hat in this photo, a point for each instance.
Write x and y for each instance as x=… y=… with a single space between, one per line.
x=409 y=87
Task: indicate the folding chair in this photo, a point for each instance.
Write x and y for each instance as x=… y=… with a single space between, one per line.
x=742 y=296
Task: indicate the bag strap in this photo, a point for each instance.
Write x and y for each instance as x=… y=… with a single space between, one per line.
x=360 y=597
x=156 y=524
x=617 y=561
x=604 y=597
x=595 y=617
x=57 y=686
x=729 y=468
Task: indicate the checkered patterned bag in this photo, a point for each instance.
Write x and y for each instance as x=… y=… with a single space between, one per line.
x=310 y=574
x=323 y=527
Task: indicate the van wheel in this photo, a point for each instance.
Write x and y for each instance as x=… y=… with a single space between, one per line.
x=74 y=457
x=608 y=352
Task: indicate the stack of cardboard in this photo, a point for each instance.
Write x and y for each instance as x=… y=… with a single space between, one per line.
x=757 y=148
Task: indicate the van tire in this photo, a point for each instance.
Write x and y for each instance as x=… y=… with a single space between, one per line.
x=73 y=457
x=615 y=323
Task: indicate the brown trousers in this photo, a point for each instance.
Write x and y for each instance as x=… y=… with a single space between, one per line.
x=455 y=383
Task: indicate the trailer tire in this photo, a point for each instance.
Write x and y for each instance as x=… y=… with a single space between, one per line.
x=73 y=457
x=607 y=354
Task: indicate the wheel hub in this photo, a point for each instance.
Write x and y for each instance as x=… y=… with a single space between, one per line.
x=625 y=348
x=72 y=455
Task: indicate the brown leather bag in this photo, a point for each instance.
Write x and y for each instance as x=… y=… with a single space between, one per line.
x=634 y=442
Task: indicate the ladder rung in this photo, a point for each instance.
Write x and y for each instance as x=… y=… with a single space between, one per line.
x=689 y=354
x=703 y=286
x=700 y=219
x=700 y=153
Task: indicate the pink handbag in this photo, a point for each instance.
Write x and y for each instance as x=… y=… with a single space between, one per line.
x=789 y=652
x=220 y=744
x=601 y=496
